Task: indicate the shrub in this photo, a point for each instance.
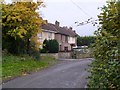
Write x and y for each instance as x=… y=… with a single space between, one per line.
x=53 y=46
x=105 y=69
x=50 y=46
x=43 y=50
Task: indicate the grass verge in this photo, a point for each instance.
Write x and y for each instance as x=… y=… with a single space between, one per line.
x=14 y=66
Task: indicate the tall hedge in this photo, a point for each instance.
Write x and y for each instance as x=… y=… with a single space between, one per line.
x=50 y=46
x=105 y=69
x=53 y=46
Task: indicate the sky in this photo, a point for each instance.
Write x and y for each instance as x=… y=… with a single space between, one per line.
x=67 y=12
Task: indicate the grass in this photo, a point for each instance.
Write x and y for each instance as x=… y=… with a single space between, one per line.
x=14 y=66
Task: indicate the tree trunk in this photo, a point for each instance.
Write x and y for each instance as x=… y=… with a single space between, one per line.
x=28 y=46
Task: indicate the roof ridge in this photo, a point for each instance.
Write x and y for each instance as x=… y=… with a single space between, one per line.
x=53 y=26
x=59 y=29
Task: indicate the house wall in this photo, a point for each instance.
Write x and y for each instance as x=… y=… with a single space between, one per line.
x=65 y=45
x=71 y=40
x=68 y=55
x=54 y=55
x=45 y=35
x=58 y=55
x=64 y=39
x=58 y=38
x=63 y=42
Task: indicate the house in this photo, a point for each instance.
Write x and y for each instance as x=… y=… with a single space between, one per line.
x=66 y=37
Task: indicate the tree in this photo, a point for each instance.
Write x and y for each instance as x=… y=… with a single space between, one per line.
x=85 y=41
x=105 y=69
x=20 y=24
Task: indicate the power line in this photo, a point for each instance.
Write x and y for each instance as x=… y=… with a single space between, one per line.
x=80 y=8
x=94 y=21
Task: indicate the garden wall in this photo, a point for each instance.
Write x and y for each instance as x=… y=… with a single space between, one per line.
x=58 y=55
x=55 y=55
x=67 y=55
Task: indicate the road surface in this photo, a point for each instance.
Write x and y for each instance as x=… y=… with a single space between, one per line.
x=67 y=74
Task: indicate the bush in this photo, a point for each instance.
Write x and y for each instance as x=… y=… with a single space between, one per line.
x=53 y=46
x=43 y=50
x=50 y=46
x=35 y=54
x=105 y=69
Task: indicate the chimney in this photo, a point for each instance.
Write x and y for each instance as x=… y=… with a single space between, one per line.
x=65 y=27
x=74 y=31
x=70 y=28
x=46 y=21
x=57 y=23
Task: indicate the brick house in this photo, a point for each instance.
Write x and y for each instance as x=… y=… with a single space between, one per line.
x=66 y=37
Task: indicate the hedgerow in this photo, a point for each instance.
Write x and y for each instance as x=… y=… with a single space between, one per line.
x=105 y=69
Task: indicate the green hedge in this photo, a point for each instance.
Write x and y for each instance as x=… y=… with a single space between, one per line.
x=105 y=69
x=50 y=46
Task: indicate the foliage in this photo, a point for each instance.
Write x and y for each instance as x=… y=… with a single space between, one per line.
x=51 y=46
x=43 y=50
x=105 y=69
x=45 y=46
x=85 y=41
x=13 y=66
x=20 y=25
x=34 y=47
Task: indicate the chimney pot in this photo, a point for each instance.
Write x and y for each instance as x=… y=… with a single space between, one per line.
x=57 y=23
x=70 y=28
x=46 y=21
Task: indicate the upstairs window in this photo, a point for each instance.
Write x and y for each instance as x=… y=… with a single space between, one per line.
x=65 y=49
x=61 y=37
x=50 y=35
x=40 y=36
x=66 y=38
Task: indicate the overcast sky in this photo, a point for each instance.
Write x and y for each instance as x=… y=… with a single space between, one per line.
x=67 y=12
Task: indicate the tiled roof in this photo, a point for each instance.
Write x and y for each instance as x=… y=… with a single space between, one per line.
x=58 y=29
x=49 y=26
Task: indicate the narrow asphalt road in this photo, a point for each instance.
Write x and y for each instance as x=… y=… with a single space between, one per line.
x=67 y=74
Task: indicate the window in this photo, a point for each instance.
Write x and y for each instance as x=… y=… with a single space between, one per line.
x=66 y=49
x=60 y=49
x=73 y=39
x=50 y=35
x=40 y=36
x=61 y=37
x=66 y=39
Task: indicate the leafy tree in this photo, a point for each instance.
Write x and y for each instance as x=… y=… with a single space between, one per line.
x=20 y=24
x=105 y=69
x=85 y=41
